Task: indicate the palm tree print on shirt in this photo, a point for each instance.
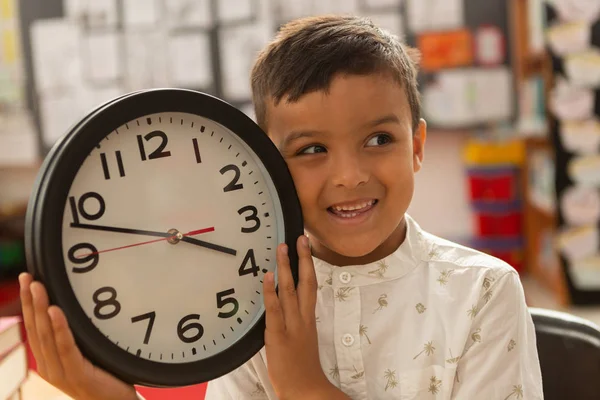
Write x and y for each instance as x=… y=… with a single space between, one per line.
x=382 y=301
x=363 y=332
x=391 y=380
x=434 y=385
x=473 y=311
x=259 y=389
x=427 y=348
x=334 y=372
x=358 y=375
x=420 y=308
x=444 y=275
x=517 y=392
x=476 y=336
x=381 y=269
x=342 y=293
x=511 y=345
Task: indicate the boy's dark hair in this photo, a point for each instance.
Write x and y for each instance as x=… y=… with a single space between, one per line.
x=307 y=53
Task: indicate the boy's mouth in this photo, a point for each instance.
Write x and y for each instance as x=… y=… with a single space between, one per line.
x=352 y=209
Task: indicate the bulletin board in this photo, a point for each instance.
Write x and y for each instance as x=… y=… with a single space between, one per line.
x=466 y=76
x=575 y=134
x=94 y=50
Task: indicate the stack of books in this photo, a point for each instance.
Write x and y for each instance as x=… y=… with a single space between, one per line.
x=13 y=358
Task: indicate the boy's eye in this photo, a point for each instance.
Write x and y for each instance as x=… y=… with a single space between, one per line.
x=379 y=140
x=313 y=150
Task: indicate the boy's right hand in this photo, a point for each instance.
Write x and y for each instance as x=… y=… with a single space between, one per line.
x=59 y=361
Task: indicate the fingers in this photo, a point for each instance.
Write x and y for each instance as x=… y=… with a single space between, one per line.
x=45 y=334
x=287 y=288
x=25 y=280
x=70 y=357
x=274 y=318
x=307 y=282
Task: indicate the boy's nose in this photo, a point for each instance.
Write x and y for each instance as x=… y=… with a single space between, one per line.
x=348 y=171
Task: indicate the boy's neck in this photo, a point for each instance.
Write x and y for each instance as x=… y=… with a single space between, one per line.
x=389 y=246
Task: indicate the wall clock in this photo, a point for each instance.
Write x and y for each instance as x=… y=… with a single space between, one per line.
x=152 y=224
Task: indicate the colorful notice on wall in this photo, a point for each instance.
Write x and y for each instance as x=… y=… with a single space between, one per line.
x=441 y=50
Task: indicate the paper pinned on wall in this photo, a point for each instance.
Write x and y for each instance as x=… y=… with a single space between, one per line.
x=435 y=15
x=585 y=273
x=493 y=94
x=57 y=113
x=382 y=4
x=146 y=61
x=12 y=76
x=240 y=46
x=101 y=57
x=568 y=101
x=140 y=13
x=92 y=13
x=392 y=22
x=235 y=10
x=583 y=69
x=578 y=243
x=462 y=97
x=335 y=7
x=580 y=136
x=566 y=38
x=580 y=205
x=56 y=54
x=446 y=100
x=190 y=60
x=18 y=142
x=189 y=13
x=91 y=97
x=287 y=10
x=577 y=10
x=585 y=170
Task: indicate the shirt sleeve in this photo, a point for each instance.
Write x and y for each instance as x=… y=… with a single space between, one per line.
x=500 y=360
x=250 y=381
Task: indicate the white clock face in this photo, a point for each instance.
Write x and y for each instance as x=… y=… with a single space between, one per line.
x=169 y=228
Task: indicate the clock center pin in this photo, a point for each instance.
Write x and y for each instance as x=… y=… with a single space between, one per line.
x=175 y=237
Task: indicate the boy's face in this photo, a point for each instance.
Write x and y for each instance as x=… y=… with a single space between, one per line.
x=352 y=154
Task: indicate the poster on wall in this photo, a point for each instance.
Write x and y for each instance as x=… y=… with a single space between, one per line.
x=17 y=136
x=573 y=40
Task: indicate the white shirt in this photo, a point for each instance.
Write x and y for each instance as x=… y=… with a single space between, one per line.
x=433 y=320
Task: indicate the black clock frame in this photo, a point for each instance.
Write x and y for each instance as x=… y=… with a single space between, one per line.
x=43 y=236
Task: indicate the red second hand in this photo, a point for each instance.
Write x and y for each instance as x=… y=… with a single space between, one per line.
x=191 y=233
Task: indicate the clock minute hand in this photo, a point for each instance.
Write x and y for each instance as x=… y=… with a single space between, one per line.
x=135 y=231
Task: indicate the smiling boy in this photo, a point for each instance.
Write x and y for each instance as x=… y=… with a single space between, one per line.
x=383 y=309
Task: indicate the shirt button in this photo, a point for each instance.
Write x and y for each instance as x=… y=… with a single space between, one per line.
x=345 y=277
x=348 y=340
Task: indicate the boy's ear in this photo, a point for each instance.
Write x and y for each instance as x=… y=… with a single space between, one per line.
x=419 y=138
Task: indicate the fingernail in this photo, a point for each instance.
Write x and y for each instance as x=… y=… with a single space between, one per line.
x=284 y=250
x=304 y=241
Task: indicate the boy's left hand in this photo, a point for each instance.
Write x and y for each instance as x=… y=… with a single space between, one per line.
x=291 y=331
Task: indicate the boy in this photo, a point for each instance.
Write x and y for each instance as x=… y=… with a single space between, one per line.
x=383 y=310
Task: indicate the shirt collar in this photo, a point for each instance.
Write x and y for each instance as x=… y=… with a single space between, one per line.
x=402 y=261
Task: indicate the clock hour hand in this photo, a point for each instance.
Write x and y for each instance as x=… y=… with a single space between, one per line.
x=208 y=245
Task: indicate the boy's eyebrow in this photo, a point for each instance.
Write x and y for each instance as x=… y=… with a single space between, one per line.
x=295 y=135
x=390 y=118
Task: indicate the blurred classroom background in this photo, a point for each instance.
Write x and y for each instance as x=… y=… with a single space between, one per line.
x=510 y=88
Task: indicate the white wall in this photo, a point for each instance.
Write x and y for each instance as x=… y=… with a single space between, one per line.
x=440 y=204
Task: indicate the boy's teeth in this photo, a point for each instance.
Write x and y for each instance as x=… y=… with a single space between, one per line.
x=354 y=207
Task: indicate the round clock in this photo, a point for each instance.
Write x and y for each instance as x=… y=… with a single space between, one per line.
x=152 y=224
